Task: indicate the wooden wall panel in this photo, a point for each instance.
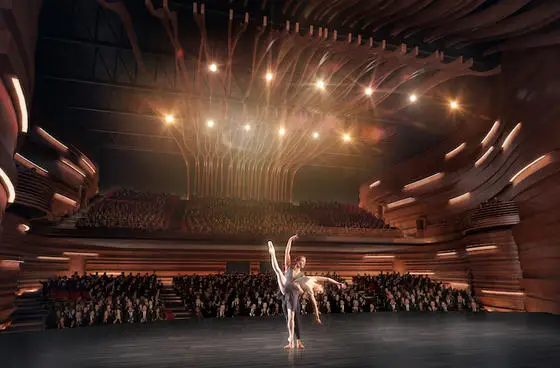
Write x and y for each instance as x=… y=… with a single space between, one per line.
x=526 y=92
x=538 y=236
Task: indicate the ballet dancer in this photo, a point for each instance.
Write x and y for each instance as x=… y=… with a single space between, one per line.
x=291 y=287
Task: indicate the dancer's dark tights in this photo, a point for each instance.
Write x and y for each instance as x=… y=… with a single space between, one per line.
x=296 y=316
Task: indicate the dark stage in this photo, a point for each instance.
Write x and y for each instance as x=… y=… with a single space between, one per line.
x=365 y=340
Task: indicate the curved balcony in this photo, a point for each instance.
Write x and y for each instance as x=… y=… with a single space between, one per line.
x=34 y=194
x=492 y=215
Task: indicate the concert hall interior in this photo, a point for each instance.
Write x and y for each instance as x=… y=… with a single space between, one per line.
x=150 y=149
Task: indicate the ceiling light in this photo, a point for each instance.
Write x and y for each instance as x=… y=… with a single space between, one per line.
x=213 y=67
x=282 y=131
x=22 y=104
x=453 y=105
x=346 y=138
x=320 y=84
x=269 y=76
x=315 y=135
x=368 y=91
x=169 y=119
x=412 y=98
x=210 y=123
x=247 y=127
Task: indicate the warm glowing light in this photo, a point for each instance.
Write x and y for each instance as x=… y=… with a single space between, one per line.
x=500 y=292
x=23 y=228
x=49 y=258
x=213 y=67
x=169 y=119
x=269 y=76
x=420 y=273
x=247 y=127
x=88 y=164
x=14 y=261
x=478 y=248
x=281 y=131
x=20 y=292
x=52 y=139
x=379 y=256
x=402 y=202
x=448 y=253
x=461 y=198
x=7 y=183
x=491 y=133
x=459 y=284
x=28 y=163
x=22 y=105
x=483 y=158
x=315 y=135
x=453 y=105
x=422 y=182
x=523 y=170
x=73 y=167
x=65 y=199
x=368 y=91
x=449 y=155
x=374 y=184
x=320 y=84
x=346 y=138
x=210 y=123
x=12 y=264
x=511 y=136
x=412 y=98
x=81 y=254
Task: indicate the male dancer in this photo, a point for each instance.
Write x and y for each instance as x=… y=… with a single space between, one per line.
x=292 y=294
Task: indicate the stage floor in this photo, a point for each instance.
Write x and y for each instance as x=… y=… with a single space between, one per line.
x=366 y=340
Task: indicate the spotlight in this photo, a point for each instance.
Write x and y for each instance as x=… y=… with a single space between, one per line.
x=315 y=135
x=368 y=91
x=412 y=98
x=346 y=138
x=210 y=123
x=169 y=119
x=269 y=76
x=320 y=84
x=453 y=105
x=247 y=127
x=282 y=131
x=213 y=67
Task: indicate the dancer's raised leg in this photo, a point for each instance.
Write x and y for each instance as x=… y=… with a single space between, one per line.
x=276 y=267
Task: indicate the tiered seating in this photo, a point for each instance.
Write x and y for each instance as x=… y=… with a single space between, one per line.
x=126 y=209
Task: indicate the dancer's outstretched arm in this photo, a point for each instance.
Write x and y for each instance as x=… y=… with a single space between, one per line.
x=328 y=279
x=287 y=257
x=315 y=307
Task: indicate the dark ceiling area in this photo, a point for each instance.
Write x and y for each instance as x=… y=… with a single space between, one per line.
x=89 y=92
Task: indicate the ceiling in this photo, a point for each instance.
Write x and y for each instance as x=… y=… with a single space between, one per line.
x=95 y=92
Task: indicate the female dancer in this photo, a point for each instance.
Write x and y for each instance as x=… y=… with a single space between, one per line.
x=291 y=287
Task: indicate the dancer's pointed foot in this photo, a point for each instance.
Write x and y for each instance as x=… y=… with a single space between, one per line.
x=289 y=346
x=300 y=345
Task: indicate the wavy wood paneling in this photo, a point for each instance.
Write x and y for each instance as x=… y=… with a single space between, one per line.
x=527 y=92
